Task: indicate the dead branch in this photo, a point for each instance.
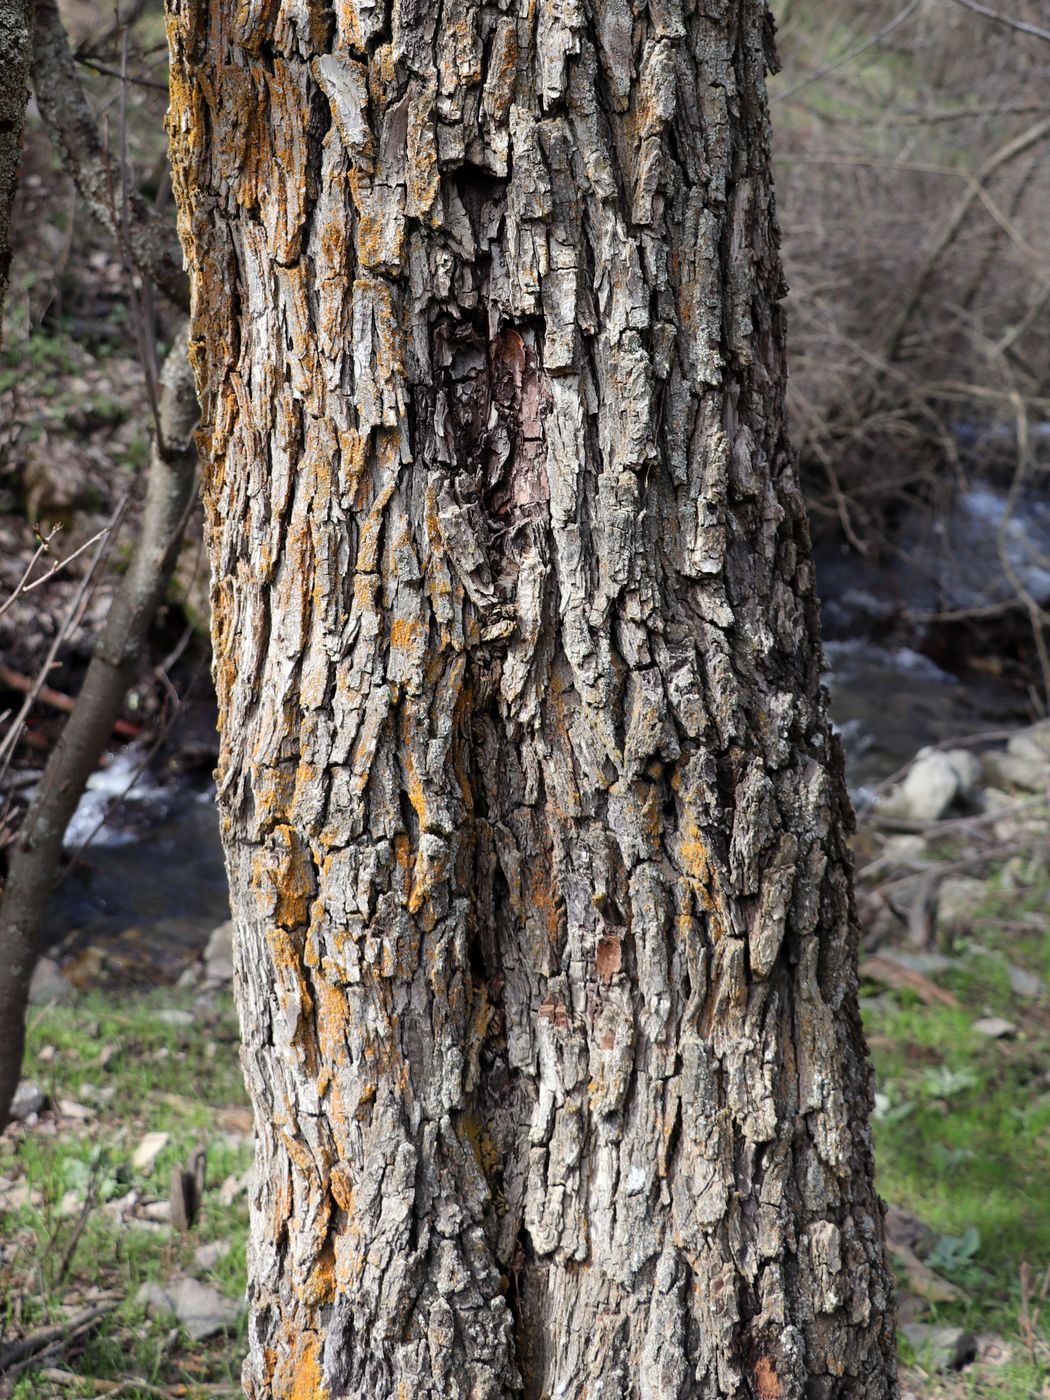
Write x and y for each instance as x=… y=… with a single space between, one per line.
x=105 y=540
x=59 y=1336
x=123 y=728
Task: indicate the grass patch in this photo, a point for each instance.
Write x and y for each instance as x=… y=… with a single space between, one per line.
x=962 y=1131
x=115 y=1069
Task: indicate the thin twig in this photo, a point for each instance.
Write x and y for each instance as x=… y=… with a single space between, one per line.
x=870 y=43
x=1009 y=20
x=106 y=538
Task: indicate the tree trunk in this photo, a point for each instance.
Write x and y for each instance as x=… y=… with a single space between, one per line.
x=16 y=51
x=535 y=827
x=36 y=853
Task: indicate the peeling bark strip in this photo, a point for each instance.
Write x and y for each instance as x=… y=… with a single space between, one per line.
x=535 y=826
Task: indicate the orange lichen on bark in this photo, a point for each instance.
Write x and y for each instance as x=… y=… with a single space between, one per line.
x=298 y=1374
x=404 y=631
x=767 y=1385
x=333 y=1022
x=319 y=1287
x=286 y=866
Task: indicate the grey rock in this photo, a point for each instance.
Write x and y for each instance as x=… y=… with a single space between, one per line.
x=958 y=899
x=29 y=1100
x=174 y=1016
x=941 y=1348
x=995 y=1028
x=1032 y=744
x=201 y=1310
x=967 y=768
x=218 y=954
x=1025 y=984
x=208 y=1255
x=1010 y=770
x=155 y=1301
x=49 y=985
x=934 y=783
x=929 y=964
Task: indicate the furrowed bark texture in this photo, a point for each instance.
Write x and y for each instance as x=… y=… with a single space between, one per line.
x=535 y=827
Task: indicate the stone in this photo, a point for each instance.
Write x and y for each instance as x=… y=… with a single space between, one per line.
x=920 y=1278
x=993 y=1350
x=218 y=954
x=1025 y=984
x=1010 y=770
x=154 y=1300
x=905 y=852
x=29 y=1100
x=995 y=1028
x=1032 y=744
x=967 y=768
x=958 y=899
x=49 y=985
x=231 y=1188
x=202 y=1311
x=174 y=1016
x=941 y=1348
x=904 y=1228
x=122 y=1206
x=911 y=1308
x=208 y=1255
x=148 y=1150
x=69 y=1108
x=928 y=964
x=936 y=781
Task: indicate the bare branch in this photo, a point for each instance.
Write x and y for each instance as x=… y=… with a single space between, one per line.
x=151 y=240
x=877 y=38
x=1009 y=20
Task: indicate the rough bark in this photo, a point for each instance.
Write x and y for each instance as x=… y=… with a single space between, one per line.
x=16 y=44
x=535 y=826
x=36 y=854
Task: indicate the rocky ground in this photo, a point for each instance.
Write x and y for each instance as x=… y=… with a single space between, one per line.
x=122 y=1186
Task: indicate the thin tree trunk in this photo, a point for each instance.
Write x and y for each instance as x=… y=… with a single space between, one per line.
x=535 y=826
x=16 y=50
x=100 y=180
x=35 y=855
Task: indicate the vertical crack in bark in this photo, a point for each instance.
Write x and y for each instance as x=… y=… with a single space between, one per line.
x=535 y=825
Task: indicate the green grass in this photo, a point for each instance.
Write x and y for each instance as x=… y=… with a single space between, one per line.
x=962 y=1128
x=180 y=1079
